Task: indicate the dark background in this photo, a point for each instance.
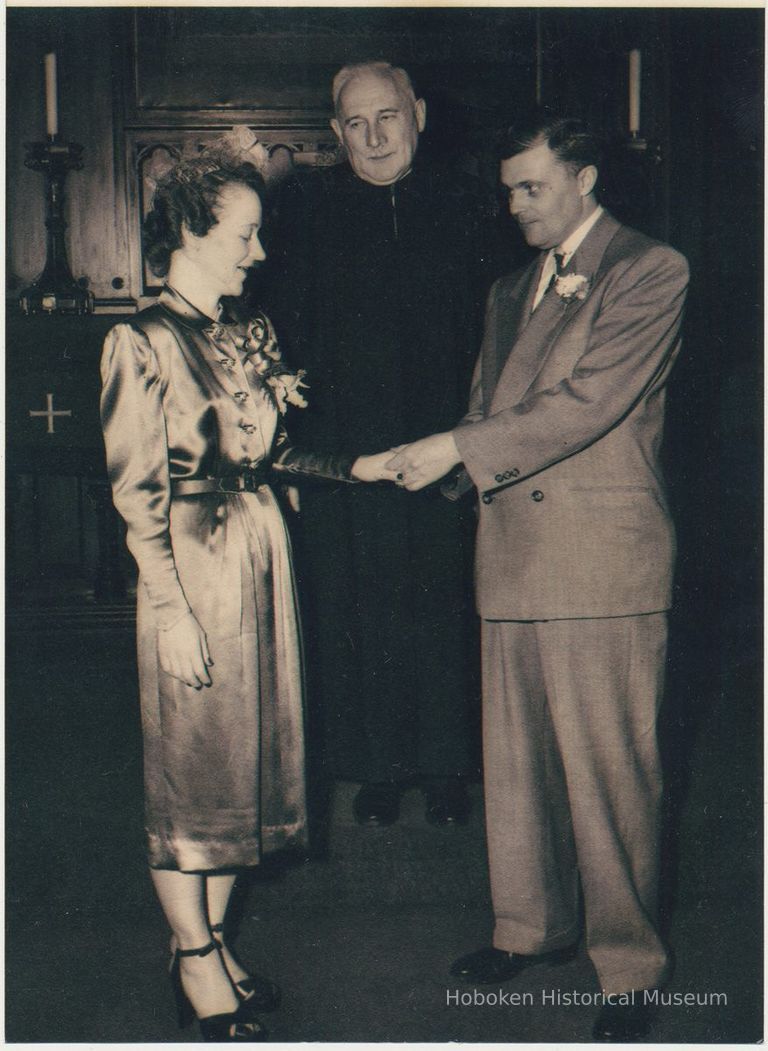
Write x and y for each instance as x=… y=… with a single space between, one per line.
x=132 y=80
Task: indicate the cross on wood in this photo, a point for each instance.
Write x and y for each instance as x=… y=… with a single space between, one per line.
x=49 y=412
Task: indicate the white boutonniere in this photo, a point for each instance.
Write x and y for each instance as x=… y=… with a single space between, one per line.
x=572 y=286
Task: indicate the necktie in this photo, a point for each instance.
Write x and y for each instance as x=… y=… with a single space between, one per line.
x=558 y=258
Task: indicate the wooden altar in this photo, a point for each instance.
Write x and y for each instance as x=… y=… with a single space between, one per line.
x=60 y=521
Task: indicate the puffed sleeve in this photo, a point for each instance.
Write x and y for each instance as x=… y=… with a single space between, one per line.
x=137 y=463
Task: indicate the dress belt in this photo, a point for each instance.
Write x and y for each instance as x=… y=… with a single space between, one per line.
x=232 y=483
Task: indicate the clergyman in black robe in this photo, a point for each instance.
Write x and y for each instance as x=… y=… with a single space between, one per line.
x=376 y=283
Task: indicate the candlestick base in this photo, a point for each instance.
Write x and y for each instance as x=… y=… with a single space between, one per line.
x=55 y=291
x=45 y=298
x=649 y=151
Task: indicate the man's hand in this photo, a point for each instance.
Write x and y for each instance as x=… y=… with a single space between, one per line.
x=183 y=652
x=423 y=462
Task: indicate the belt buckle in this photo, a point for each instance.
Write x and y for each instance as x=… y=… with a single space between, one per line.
x=234 y=485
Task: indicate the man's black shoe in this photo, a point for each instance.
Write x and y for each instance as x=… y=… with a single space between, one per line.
x=447 y=803
x=377 y=804
x=624 y=1023
x=488 y=965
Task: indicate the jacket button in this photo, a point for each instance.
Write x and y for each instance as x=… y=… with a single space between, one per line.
x=499 y=477
x=487 y=498
x=537 y=495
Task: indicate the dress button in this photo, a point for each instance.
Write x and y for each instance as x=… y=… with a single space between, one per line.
x=537 y=495
x=487 y=498
x=249 y=428
x=240 y=395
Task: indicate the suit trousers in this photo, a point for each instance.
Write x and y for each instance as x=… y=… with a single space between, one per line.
x=573 y=788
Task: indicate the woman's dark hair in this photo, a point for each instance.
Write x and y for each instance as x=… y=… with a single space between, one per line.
x=569 y=138
x=189 y=197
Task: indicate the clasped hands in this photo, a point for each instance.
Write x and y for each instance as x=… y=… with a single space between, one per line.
x=411 y=466
x=183 y=648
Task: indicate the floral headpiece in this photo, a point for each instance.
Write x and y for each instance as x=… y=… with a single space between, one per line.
x=225 y=153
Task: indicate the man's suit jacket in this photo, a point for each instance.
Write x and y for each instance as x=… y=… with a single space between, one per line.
x=563 y=434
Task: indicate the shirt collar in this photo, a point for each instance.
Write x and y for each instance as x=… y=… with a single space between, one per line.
x=570 y=244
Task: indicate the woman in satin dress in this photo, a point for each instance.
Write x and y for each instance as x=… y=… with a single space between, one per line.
x=192 y=405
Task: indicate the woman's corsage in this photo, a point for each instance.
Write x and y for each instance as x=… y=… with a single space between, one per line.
x=260 y=349
x=572 y=286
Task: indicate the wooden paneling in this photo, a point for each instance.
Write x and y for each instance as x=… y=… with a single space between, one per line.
x=279 y=63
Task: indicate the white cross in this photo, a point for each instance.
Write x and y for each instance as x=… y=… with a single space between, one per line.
x=50 y=413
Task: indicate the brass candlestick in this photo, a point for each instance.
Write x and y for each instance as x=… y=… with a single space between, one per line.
x=55 y=291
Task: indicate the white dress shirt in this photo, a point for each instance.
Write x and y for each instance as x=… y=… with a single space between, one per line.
x=566 y=250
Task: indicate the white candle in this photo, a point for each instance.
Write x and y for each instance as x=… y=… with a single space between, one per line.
x=634 y=91
x=51 y=98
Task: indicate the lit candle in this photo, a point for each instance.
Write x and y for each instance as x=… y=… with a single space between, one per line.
x=634 y=91
x=51 y=98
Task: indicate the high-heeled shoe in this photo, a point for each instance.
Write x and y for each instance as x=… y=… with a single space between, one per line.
x=229 y=1027
x=256 y=991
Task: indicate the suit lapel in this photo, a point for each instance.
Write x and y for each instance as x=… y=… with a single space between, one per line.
x=534 y=343
x=531 y=348
x=513 y=308
x=589 y=256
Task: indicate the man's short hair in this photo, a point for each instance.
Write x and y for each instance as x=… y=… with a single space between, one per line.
x=569 y=138
x=399 y=77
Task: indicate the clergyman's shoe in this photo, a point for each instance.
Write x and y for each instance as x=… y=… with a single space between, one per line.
x=622 y=1022
x=377 y=804
x=447 y=803
x=488 y=965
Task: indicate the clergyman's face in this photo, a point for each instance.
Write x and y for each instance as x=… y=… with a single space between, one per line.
x=379 y=127
x=546 y=198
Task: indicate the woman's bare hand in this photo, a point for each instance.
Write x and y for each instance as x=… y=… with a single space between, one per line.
x=373 y=468
x=183 y=652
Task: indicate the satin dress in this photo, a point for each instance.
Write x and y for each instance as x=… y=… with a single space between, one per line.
x=223 y=766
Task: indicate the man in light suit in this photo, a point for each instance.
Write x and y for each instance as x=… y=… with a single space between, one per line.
x=574 y=562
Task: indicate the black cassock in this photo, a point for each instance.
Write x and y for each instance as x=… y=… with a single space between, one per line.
x=378 y=293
